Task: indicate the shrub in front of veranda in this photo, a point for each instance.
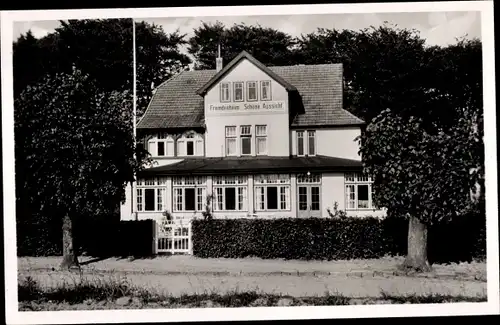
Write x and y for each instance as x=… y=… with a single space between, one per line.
x=290 y=238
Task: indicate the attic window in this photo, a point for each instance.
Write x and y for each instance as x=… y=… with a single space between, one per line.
x=265 y=90
x=251 y=91
x=224 y=92
x=238 y=91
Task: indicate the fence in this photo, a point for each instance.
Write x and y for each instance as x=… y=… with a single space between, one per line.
x=174 y=238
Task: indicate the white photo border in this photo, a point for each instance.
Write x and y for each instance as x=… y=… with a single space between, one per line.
x=13 y=316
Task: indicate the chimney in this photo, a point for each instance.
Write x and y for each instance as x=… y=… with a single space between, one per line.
x=218 y=60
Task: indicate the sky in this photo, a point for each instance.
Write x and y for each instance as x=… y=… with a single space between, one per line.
x=437 y=28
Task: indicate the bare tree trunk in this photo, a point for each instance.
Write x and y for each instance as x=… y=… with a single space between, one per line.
x=416 y=259
x=70 y=258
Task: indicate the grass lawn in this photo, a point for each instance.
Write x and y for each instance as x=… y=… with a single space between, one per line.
x=186 y=281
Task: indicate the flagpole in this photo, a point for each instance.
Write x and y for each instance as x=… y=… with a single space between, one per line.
x=134 y=192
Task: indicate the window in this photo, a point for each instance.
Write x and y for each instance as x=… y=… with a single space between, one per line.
x=224 y=92
x=309 y=178
x=251 y=91
x=189 y=193
x=230 y=193
x=238 y=91
x=358 y=192
x=265 y=90
x=306 y=146
x=190 y=148
x=300 y=143
x=230 y=140
x=161 y=145
x=272 y=192
x=190 y=144
x=261 y=139
x=246 y=139
x=151 y=194
x=311 y=144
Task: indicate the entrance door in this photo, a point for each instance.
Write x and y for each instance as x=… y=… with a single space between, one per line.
x=308 y=201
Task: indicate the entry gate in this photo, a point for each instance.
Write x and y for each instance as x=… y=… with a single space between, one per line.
x=174 y=238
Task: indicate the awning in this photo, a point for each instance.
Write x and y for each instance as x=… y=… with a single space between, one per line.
x=251 y=165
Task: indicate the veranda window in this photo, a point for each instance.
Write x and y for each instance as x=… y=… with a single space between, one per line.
x=189 y=193
x=272 y=192
x=151 y=194
x=230 y=193
x=358 y=191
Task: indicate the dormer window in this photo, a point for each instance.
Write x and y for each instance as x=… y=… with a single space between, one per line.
x=265 y=90
x=238 y=91
x=306 y=143
x=161 y=145
x=190 y=144
x=311 y=144
x=225 y=92
x=251 y=91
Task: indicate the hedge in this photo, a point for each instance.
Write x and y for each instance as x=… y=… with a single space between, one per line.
x=463 y=239
x=334 y=239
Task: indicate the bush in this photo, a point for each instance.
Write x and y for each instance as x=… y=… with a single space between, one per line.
x=97 y=237
x=106 y=238
x=334 y=239
x=39 y=236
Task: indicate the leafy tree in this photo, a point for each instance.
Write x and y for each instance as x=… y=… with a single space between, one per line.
x=158 y=59
x=27 y=68
x=75 y=146
x=453 y=80
x=97 y=47
x=382 y=66
x=425 y=166
x=269 y=46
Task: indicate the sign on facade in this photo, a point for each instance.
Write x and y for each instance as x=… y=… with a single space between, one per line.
x=230 y=108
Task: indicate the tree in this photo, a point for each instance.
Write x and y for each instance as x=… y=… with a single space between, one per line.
x=97 y=48
x=269 y=46
x=425 y=166
x=76 y=145
x=382 y=66
x=27 y=67
x=158 y=59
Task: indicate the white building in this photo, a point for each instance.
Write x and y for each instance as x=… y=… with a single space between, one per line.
x=264 y=141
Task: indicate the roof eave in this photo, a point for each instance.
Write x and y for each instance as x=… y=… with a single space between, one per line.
x=279 y=169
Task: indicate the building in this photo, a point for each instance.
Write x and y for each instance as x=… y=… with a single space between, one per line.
x=262 y=142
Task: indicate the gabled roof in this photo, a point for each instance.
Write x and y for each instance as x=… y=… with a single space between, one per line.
x=234 y=62
x=244 y=165
x=176 y=103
